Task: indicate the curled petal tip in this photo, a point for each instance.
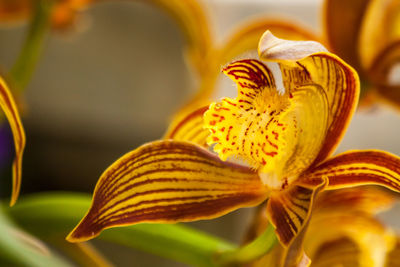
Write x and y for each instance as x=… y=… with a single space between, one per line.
x=271 y=47
x=13 y=201
x=84 y=231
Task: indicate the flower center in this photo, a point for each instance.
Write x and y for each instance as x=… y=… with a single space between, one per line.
x=254 y=127
x=278 y=134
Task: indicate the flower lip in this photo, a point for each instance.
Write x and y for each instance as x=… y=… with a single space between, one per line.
x=265 y=127
x=253 y=125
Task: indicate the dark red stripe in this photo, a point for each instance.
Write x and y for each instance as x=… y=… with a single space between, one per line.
x=343 y=107
x=197 y=113
x=181 y=212
x=351 y=179
x=198 y=151
x=161 y=168
x=281 y=220
x=102 y=200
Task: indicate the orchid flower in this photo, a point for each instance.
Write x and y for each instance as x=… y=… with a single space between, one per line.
x=286 y=136
x=367 y=35
x=343 y=230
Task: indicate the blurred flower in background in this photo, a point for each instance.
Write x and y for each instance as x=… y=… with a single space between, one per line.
x=343 y=231
x=64 y=13
x=367 y=35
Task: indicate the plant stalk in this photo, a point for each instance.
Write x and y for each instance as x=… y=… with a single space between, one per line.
x=23 y=68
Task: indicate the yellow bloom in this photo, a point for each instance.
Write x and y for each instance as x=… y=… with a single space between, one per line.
x=286 y=133
x=367 y=35
x=343 y=230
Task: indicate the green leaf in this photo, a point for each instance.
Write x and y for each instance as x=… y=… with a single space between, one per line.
x=49 y=214
x=20 y=249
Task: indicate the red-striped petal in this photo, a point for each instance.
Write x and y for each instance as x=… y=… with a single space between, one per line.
x=167 y=182
x=10 y=110
x=361 y=167
x=290 y=211
x=303 y=63
x=342 y=23
x=366 y=199
x=190 y=128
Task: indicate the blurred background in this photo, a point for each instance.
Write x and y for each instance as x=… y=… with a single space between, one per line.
x=113 y=83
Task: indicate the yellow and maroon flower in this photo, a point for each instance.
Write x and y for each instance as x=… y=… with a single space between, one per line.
x=10 y=110
x=367 y=35
x=342 y=232
x=285 y=128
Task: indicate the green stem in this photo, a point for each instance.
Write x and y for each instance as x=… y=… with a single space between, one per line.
x=22 y=70
x=250 y=252
x=55 y=214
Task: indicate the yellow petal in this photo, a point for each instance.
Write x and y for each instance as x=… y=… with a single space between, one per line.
x=193 y=21
x=289 y=211
x=342 y=23
x=10 y=110
x=371 y=237
x=381 y=26
x=339 y=218
x=340 y=252
x=279 y=255
x=190 y=128
x=393 y=259
x=379 y=73
x=389 y=94
x=303 y=63
x=385 y=60
x=360 y=167
x=370 y=200
x=167 y=182
x=349 y=214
